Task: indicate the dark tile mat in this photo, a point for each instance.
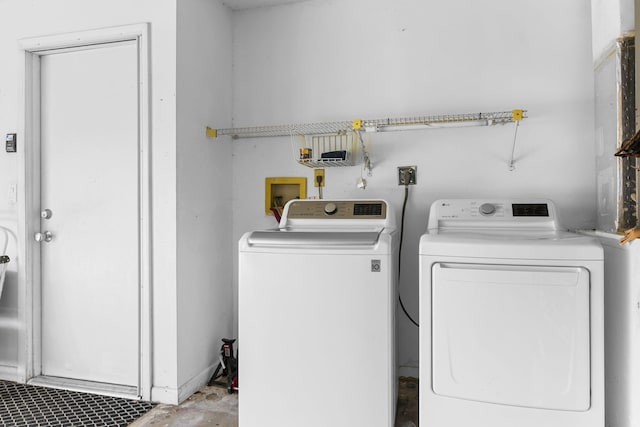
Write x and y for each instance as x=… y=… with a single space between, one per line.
x=33 y=406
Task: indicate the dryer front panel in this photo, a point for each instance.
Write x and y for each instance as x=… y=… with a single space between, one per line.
x=512 y=335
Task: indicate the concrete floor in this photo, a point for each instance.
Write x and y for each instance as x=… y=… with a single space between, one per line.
x=209 y=406
x=214 y=407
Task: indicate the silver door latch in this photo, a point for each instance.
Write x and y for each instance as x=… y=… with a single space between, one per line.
x=45 y=236
x=46 y=214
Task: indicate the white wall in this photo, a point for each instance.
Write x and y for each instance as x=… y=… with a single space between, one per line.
x=610 y=20
x=326 y=60
x=191 y=191
x=204 y=258
x=42 y=17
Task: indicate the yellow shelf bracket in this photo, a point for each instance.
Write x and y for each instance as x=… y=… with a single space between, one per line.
x=211 y=132
x=516 y=115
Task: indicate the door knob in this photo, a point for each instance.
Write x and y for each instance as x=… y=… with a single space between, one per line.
x=46 y=214
x=45 y=236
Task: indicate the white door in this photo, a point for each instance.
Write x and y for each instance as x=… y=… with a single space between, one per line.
x=90 y=184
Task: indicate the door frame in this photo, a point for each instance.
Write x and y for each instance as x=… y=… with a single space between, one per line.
x=29 y=192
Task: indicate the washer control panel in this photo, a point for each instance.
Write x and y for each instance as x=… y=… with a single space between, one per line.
x=337 y=209
x=330 y=208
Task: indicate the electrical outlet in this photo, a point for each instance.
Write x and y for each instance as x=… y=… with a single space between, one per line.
x=318 y=177
x=407 y=175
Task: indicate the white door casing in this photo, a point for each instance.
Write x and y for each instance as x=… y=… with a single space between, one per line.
x=91 y=166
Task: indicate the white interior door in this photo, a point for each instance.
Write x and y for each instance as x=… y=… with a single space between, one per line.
x=90 y=277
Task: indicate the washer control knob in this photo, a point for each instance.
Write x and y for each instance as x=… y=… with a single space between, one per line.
x=487 y=209
x=330 y=208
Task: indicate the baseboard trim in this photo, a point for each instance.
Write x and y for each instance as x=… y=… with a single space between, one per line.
x=175 y=396
x=168 y=395
x=194 y=384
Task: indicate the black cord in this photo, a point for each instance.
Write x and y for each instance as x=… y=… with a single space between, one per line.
x=319 y=181
x=404 y=206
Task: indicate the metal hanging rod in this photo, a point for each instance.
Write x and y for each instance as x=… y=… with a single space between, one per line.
x=377 y=125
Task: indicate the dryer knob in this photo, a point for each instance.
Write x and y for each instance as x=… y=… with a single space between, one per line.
x=487 y=209
x=330 y=208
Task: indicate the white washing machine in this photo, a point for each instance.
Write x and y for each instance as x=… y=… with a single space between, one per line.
x=511 y=318
x=317 y=301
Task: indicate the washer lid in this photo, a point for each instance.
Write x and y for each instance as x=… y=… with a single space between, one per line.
x=320 y=238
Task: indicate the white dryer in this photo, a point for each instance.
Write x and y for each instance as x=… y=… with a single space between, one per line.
x=317 y=301
x=511 y=318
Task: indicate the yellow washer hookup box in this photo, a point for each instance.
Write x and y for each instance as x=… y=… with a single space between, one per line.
x=279 y=190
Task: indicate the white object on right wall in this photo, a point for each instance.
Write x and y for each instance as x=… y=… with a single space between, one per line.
x=622 y=335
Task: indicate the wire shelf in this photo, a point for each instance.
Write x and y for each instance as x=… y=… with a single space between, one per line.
x=332 y=150
x=443 y=120
x=375 y=125
x=288 y=130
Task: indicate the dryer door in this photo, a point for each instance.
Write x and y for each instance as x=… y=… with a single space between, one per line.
x=513 y=335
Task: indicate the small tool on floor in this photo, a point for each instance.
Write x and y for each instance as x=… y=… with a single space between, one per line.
x=229 y=366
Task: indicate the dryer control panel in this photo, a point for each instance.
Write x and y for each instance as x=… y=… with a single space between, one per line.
x=538 y=213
